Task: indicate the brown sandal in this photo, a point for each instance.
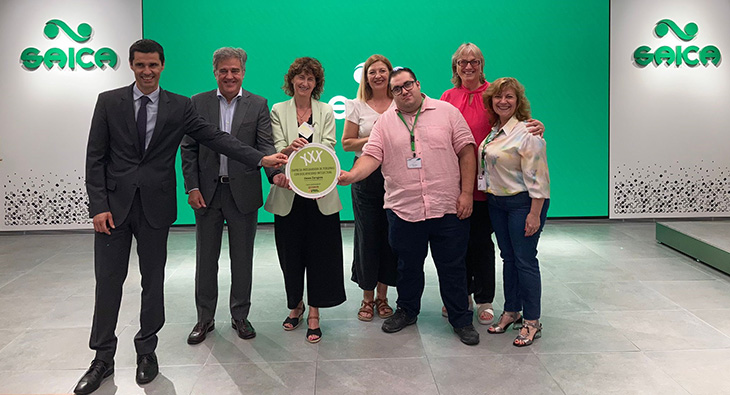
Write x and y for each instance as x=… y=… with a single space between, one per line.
x=384 y=310
x=366 y=308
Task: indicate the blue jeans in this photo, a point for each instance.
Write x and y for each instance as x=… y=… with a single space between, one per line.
x=448 y=237
x=521 y=270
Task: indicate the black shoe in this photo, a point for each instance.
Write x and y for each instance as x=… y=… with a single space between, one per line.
x=200 y=330
x=244 y=328
x=468 y=335
x=91 y=380
x=147 y=368
x=398 y=321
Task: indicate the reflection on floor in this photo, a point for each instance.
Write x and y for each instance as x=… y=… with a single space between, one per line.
x=621 y=314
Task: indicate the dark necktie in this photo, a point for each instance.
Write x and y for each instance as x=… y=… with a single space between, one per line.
x=142 y=123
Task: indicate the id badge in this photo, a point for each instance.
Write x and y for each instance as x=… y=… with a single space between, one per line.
x=413 y=163
x=481 y=182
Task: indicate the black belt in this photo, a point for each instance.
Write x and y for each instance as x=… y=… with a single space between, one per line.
x=224 y=180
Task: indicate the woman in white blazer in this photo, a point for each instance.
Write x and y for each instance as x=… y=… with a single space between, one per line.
x=307 y=231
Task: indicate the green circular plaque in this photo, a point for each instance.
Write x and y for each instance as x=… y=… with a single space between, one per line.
x=313 y=170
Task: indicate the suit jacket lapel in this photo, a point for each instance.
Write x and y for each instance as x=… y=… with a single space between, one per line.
x=291 y=119
x=211 y=110
x=163 y=111
x=126 y=104
x=317 y=120
x=243 y=103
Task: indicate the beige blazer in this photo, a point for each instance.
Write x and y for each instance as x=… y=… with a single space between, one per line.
x=284 y=131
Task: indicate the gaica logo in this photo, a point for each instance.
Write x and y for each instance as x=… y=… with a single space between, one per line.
x=691 y=55
x=86 y=58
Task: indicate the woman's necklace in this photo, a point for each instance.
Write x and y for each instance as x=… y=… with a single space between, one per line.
x=303 y=117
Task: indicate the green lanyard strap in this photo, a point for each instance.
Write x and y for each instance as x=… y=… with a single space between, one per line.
x=411 y=129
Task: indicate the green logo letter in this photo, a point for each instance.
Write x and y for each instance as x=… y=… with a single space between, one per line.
x=54 y=55
x=105 y=55
x=31 y=59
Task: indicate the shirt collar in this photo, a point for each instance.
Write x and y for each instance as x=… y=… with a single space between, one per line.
x=238 y=96
x=426 y=104
x=136 y=94
x=510 y=126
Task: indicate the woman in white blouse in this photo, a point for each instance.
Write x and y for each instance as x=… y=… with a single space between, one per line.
x=513 y=170
x=374 y=264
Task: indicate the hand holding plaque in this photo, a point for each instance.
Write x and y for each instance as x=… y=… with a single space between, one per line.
x=313 y=171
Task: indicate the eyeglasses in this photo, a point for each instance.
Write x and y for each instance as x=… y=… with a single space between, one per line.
x=474 y=63
x=397 y=90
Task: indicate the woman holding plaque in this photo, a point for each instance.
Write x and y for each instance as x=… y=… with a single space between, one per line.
x=307 y=231
x=467 y=67
x=374 y=265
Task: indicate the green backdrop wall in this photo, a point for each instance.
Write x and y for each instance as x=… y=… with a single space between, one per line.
x=559 y=50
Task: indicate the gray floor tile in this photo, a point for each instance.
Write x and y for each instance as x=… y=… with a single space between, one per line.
x=382 y=376
x=172 y=348
x=58 y=381
x=557 y=298
x=661 y=269
x=581 y=270
x=20 y=312
x=260 y=378
x=8 y=335
x=172 y=380
x=37 y=349
x=718 y=319
x=486 y=374
x=579 y=333
x=48 y=284
x=666 y=330
x=353 y=339
x=711 y=294
x=697 y=371
x=629 y=249
x=439 y=340
x=271 y=344
x=609 y=373
x=625 y=295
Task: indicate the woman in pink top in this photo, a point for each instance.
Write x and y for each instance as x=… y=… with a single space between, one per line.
x=467 y=66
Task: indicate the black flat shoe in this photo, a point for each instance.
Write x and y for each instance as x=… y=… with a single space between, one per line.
x=200 y=330
x=243 y=328
x=147 y=368
x=92 y=379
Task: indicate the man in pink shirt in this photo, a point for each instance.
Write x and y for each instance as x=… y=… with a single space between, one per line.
x=426 y=151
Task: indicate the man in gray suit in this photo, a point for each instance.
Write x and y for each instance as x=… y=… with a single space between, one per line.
x=130 y=178
x=226 y=191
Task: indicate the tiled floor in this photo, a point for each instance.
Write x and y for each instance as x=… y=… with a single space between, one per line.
x=622 y=314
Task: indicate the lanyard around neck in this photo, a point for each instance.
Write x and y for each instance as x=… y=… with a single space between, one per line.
x=411 y=129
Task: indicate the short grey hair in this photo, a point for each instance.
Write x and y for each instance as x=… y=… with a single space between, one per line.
x=224 y=53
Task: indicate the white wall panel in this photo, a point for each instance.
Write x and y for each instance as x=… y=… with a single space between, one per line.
x=668 y=136
x=46 y=113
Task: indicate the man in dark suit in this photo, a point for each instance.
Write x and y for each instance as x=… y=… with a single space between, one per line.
x=130 y=178
x=221 y=190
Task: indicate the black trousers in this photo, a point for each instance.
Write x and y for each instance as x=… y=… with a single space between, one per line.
x=373 y=260
x=480 y=255
x=310 y=243
x=111 y=263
